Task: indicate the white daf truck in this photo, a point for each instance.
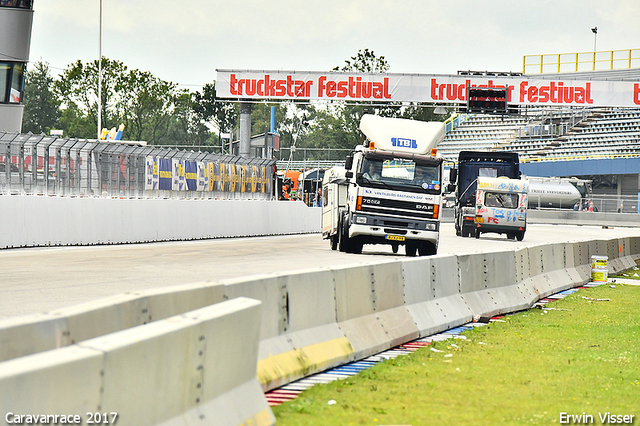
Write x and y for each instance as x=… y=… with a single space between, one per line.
x=390 y=190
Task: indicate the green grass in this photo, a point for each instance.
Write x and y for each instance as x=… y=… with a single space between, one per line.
x=633 y=274
x=581 y=357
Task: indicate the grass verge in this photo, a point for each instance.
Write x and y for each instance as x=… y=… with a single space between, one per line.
x=581 y=357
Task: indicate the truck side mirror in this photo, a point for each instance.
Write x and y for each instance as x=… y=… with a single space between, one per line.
x=348 y=162
x=451 y=187
x=348 y=174
x=453 y=175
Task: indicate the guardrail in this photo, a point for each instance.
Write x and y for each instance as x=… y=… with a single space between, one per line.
x=581 y=61
x=48 y=165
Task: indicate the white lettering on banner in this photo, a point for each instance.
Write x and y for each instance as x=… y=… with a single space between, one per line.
x=247 y=84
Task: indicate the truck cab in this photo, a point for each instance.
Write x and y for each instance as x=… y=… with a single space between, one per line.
x=473 y=165
x=390 y=190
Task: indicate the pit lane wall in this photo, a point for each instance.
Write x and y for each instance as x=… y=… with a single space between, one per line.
x=32 y=221
x=310 y=320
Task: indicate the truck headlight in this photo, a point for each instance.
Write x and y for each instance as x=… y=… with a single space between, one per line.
x=431 y=226
x=361 y=219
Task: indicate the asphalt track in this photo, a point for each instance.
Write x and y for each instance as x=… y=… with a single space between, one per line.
x=44 y=279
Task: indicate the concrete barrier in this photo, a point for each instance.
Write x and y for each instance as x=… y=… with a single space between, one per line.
x=179 y=371
x=315 y=319
x=432 y=294
x=32 y=221
x=300 y=334
x=356 y=301
x=25 y=335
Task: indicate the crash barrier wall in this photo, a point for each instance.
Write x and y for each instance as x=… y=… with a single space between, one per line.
x=315 y=319
x=49 y=165
x=29 y=221
x=184 y=370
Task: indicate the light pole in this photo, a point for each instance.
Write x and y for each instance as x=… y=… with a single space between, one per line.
x=100 y=75
x=594 y=30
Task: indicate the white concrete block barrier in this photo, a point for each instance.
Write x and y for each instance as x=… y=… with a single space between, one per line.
x=370 y=308
x=198 y=368
x=32 y=221
x=29 y=334
x=315 y=319
x=432 y=294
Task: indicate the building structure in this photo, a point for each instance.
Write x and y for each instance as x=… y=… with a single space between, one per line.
x=16 y=19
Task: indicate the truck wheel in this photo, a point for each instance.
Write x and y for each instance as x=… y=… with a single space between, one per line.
x=427 y=249
x=355 y=246
x=477 y=234
x=411 y=249
x=511 y=236
x=343 y=239
x=333 y=240
x=520 y=236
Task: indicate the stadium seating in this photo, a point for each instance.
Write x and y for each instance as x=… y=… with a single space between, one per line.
x=567 y=133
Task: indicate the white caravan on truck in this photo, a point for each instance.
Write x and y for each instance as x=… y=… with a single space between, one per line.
x=390 y=190
x=501 y=207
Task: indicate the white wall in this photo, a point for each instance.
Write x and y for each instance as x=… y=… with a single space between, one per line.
x=31 y=221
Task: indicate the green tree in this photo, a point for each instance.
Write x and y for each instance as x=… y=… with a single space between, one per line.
x=41 y=107
x=145 y=105
x=365 y=61
x=223 y=116
x=186 y=127
x=78 y=90
x=151 y=109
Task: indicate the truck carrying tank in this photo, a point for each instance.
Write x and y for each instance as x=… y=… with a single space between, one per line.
x=559 y=193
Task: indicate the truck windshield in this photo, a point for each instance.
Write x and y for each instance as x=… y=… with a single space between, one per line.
x=500 y=199
x=400 y=174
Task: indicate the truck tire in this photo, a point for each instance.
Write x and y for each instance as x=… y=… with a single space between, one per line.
x=333 y=241
x=342 y=239
x=427 y=249
x=411 y=249
x=355 y=246
x=345 y=243
x=520 y=236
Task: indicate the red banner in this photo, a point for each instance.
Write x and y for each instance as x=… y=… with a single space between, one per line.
x=328 y=86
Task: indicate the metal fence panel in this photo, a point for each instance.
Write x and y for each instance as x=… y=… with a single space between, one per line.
x=69 y=167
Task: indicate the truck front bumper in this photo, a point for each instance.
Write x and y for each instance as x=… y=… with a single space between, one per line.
x=386 y=229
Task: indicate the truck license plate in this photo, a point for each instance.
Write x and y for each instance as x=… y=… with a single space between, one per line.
x=395 y=237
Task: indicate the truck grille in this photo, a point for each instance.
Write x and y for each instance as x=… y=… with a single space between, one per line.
x=397 y=208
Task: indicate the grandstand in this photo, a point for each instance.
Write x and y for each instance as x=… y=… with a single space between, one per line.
x=544 y=134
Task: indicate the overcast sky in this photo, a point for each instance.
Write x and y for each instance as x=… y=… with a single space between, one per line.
x=186 y=41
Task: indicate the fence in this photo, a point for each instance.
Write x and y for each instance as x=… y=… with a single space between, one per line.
x=48 y=165
x=581 y=61
x=293 y=158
